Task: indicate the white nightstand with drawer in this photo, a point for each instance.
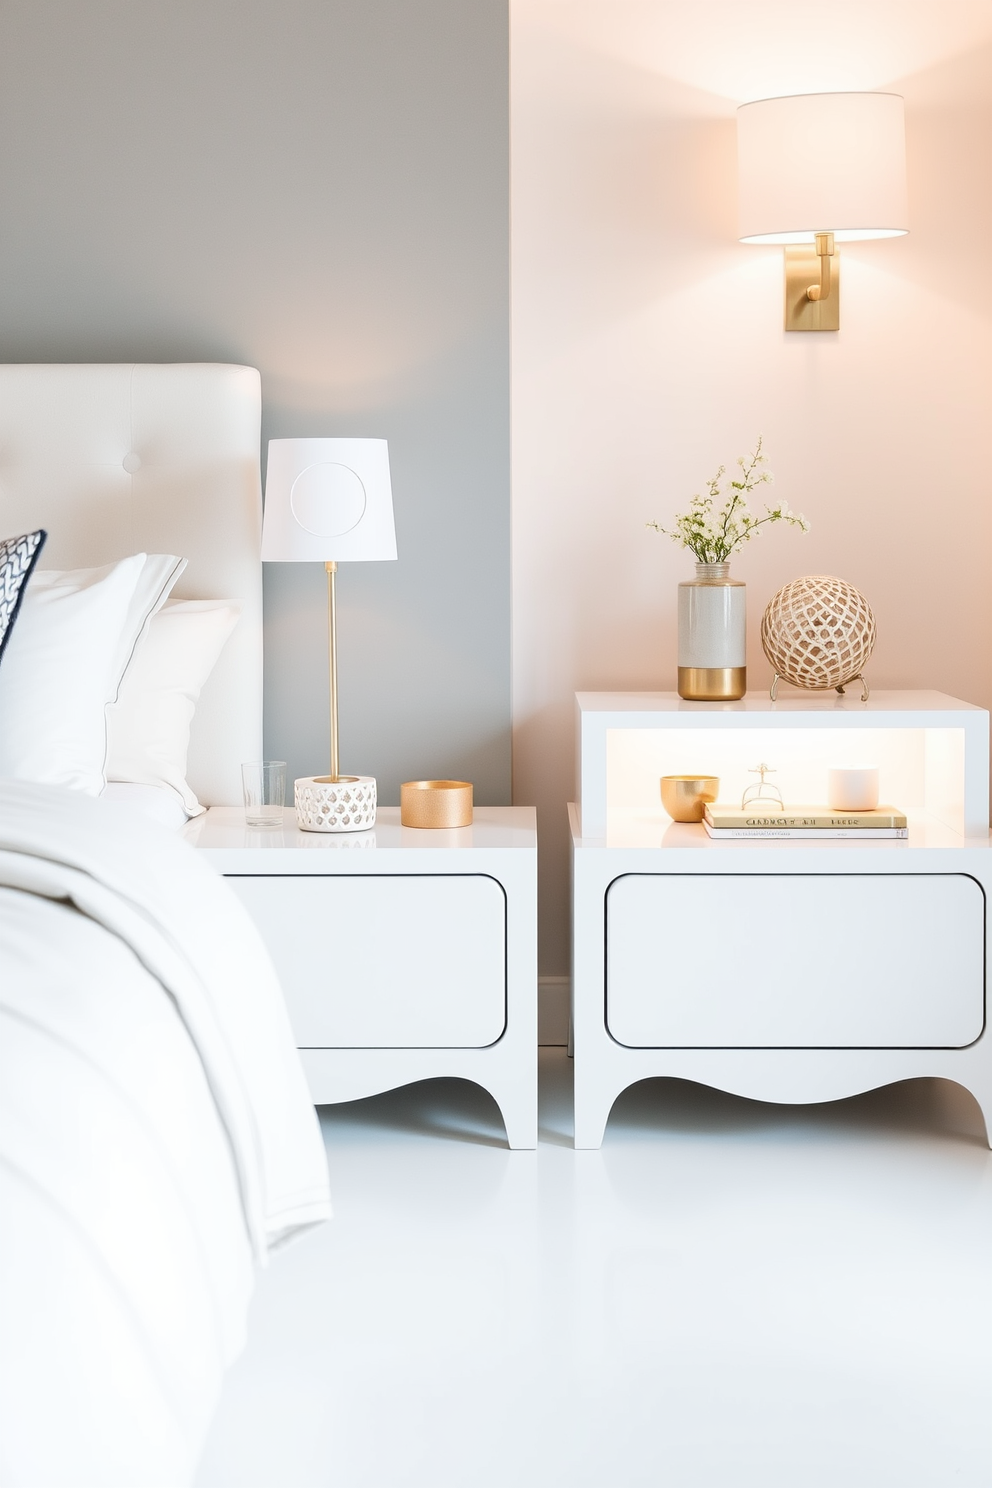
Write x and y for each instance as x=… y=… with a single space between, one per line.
x=784 y=970
x=403 y=954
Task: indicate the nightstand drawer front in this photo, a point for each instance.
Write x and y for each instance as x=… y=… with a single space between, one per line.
x=393 y=961
x=795 y=961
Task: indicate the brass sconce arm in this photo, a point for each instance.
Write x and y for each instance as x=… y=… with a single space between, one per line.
x=824 y=252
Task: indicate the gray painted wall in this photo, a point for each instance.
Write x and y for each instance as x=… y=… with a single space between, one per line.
x=318 y=188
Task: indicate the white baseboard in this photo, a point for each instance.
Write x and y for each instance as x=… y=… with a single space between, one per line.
x=552 y=1009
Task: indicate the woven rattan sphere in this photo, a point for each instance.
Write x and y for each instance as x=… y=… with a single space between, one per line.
x=818 y=632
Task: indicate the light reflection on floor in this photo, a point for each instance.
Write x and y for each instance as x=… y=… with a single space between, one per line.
x=727 y=1294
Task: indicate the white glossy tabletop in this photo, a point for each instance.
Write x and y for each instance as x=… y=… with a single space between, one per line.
x=906 y=700
x=223 y=828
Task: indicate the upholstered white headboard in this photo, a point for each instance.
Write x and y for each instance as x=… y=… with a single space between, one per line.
x=115 y=459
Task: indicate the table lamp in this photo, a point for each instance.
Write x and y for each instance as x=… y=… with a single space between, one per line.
x=329 y=501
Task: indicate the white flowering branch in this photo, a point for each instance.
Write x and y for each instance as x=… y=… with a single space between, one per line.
x=713 y=535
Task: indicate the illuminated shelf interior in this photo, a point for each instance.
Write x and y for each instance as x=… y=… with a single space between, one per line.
x=919 y=768
x=931 y=750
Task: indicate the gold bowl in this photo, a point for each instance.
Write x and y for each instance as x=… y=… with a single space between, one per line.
x=684 y=796
x=436 y=803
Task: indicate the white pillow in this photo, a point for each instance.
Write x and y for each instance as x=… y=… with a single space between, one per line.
x=75 y=633
x=148 y=727
x=158 y=574
x=155 y=583
x=58 y=674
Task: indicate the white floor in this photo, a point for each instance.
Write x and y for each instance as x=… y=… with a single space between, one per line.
x=728 y=1294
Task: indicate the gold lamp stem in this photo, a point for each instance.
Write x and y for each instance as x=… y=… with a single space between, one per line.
x=825 y=252
x=332 y=653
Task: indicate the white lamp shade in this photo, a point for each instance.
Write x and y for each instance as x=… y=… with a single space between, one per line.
x=328 y=500
x=822 y=162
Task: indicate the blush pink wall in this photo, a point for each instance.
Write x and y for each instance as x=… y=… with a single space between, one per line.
x=648 y=349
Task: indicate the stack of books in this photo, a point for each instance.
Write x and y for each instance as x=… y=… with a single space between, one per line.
x=804 y=821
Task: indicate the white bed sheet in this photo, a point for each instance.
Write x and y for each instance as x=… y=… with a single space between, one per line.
x=156 y=1140
x=158 y=802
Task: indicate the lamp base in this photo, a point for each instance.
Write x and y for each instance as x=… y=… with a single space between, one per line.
x=344 y=804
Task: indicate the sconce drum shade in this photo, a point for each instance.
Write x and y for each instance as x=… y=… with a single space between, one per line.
x=328 y=500
x=822 y=162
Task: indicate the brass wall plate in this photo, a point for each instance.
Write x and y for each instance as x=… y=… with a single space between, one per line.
x=802 y=268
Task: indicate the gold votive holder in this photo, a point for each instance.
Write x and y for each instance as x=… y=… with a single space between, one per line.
x=684 y=796
x=436 y=803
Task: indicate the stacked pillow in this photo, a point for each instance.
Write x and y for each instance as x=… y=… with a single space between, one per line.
x=148 y=726
x=99 y=676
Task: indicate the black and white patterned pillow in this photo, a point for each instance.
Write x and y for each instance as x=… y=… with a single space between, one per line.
x=18 y=556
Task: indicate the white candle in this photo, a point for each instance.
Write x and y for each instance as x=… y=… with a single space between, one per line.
x=854 y=788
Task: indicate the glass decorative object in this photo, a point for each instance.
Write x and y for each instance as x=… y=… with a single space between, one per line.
x=712 y=636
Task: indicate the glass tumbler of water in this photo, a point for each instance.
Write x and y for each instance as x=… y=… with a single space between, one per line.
x=265 y=792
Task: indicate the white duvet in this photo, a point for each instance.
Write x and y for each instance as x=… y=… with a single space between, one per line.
x=156 y=1140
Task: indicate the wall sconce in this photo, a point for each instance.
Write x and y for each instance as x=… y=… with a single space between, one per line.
x=814 y=170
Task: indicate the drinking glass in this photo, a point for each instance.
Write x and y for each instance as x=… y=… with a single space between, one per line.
x=265 y=792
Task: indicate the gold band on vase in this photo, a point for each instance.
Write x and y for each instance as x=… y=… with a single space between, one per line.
x=712 y=684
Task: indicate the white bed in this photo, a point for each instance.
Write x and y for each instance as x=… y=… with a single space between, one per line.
x=156 y=1134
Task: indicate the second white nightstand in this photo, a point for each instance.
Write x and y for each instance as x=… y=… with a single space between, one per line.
x=785 y=970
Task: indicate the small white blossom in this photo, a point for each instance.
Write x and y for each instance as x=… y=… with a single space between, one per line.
x=713 y=535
